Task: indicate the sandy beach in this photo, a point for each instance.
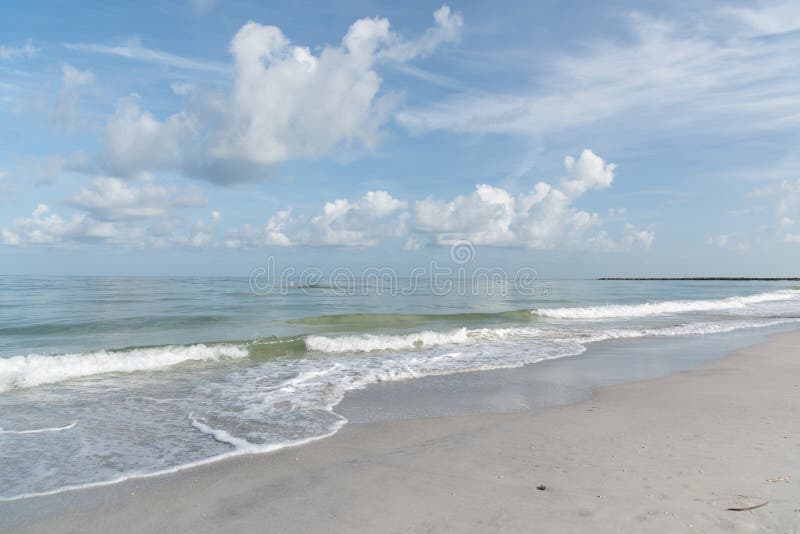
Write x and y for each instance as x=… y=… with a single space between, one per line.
x=674 y=454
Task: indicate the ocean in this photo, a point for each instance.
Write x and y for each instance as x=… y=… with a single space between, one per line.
x=107 y=378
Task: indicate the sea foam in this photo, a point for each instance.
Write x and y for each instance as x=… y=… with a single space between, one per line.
x=666 y=307
x=373 y=342
x=37 y=369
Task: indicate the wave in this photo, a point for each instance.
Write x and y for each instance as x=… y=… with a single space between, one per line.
x=327 y=385
x=691 y=329
x=612 y=311
x=373 y=342
x=37 y=369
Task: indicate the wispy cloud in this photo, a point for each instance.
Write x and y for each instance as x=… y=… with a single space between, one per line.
x=134 y=50
x=679 y=76
x=12 y=52
x=772 y=18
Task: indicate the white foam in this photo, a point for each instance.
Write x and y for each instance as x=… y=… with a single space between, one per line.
x=37 y=369
x=39 y=430
x=314 y=387
x=373 y=342
x=222 y=436
x=690 y=329
x=175 y=469
x=666 y=307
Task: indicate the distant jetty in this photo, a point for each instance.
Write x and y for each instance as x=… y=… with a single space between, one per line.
x=709 y=279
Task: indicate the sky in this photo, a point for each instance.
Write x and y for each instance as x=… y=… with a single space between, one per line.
x=581 y=139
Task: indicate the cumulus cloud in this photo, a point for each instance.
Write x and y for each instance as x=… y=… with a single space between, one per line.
x=286 y=102
x=362 y=223
x=483 y=217
x=273 y=234
x=142 y=212
x=138 y=141
x=544 y=218
x=342 y=223
x=46 y=228
x=586 y=172
x=787 y=207
x=111 y=198
x=289 y=103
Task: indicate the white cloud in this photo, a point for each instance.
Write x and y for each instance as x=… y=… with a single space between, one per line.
x=544 y=218
x=72 y=77
x=289 y=103
x=787 y=207
x=271 y=235
x=447 y=30
x=484 y=217
x=45 y=228
x=286 y=102
x=215 y=216
x=13 y=52
x=363 y=223
x=635 y=238
x=134 y=50
x=586 y=172
x=359 y=224
x=137 y=141
x=109 y=198
x=676 y=74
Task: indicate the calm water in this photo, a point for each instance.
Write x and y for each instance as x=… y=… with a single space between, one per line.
x=105 y=378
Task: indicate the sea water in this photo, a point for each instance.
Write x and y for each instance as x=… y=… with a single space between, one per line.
x=103 y=379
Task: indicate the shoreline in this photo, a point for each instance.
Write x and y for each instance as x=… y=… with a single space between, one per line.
x=405 y=455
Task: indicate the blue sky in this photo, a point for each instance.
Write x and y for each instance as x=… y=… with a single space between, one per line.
x=583 y=139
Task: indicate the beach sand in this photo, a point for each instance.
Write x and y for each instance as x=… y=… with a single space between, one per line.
x=672 y=454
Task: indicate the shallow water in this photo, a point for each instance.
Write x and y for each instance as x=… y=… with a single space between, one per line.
x=106 y=378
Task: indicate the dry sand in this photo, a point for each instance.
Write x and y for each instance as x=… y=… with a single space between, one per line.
x=665 y=455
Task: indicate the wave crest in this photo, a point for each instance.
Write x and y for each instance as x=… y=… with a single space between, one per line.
x=37 y=369
x=647 y=309
x=373 y=342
